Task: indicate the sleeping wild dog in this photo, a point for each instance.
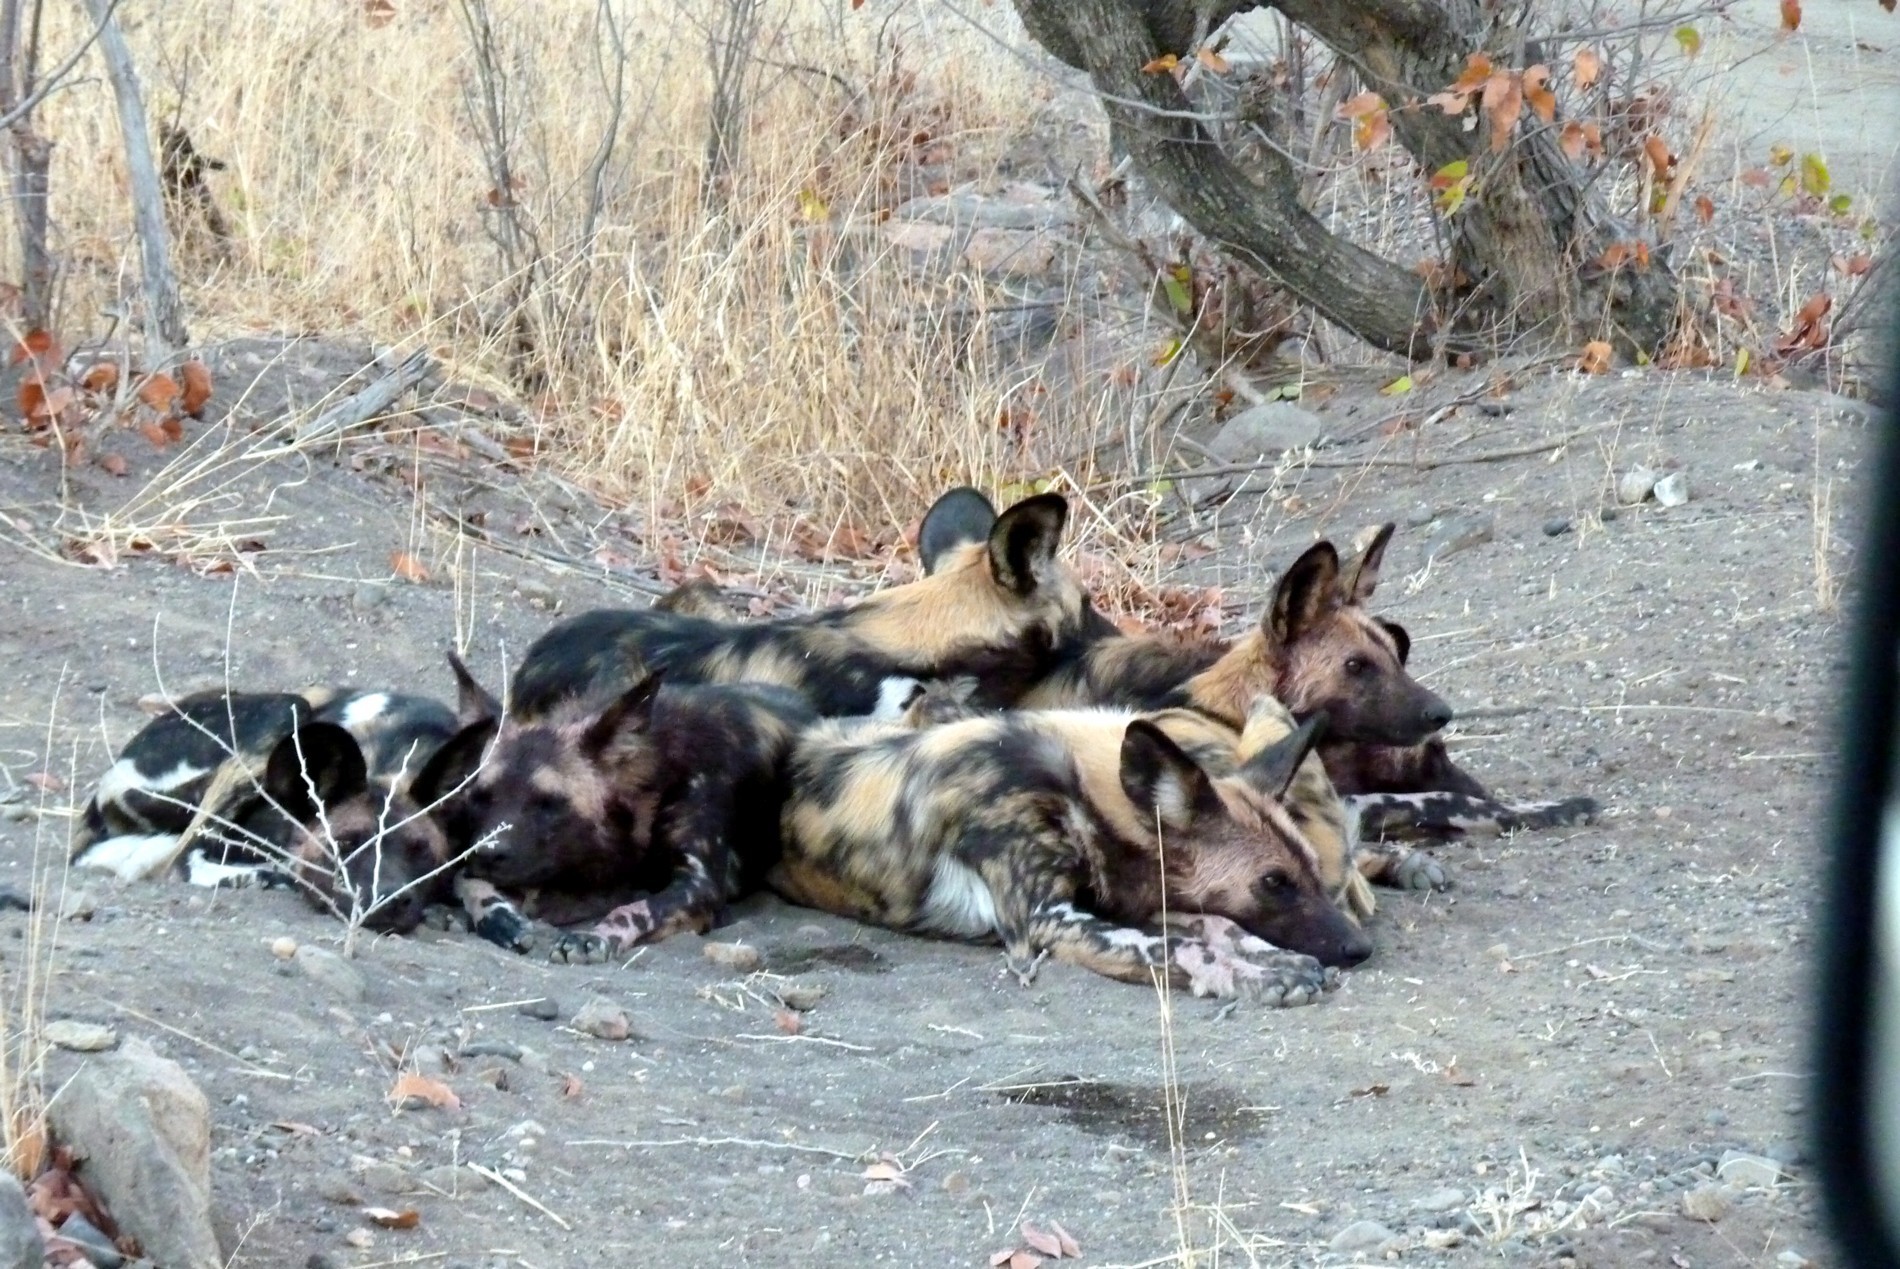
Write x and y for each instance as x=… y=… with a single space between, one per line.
x=310 y=790
x=999 y=606
x=671 y=793
x=1072 y=833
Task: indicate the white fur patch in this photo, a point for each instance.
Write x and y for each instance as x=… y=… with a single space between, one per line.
x=124 y=777
x=959 y=902
x=200 y=871
x=365 y=710
x=132 y=857
x=894 y=696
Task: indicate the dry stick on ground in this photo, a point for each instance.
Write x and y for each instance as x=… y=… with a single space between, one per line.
x=371 y=403
x=1415 y=464
x=164 y=318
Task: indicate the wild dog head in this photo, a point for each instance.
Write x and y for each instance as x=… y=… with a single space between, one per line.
x=354 y=844
x=1229 y=847
x=1321 y=652
x=572 y=798
x=995 y=601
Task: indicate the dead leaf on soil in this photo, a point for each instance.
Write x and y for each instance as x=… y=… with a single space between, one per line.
x=407 y=567
x=1596 y=357
x=197 y=389
x=788 y=1022
x=114 y=464
x=1053 y=1242
x=1371 y=1090
x=571 y=1086
x=46 y=782
x=419 y=1090
x=159 y=391
x=390 y=1218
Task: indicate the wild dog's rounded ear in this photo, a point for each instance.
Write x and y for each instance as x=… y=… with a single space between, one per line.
x=1160 y=779
x=473 y=702
x=1306 y=593
x=1399 y=638
x=1024 y=540
x=631 y=713
x=454 y=764
x=1362 y=577
x=699 y=597
x=1272 y=769
x=319 y=764
x=959 y=518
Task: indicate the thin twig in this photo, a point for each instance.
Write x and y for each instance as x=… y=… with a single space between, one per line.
x=708 y=1142
x=518 y=1192
x=1415 y=464
x=371 y=403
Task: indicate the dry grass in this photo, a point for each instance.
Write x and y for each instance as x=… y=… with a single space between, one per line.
x=752 y=337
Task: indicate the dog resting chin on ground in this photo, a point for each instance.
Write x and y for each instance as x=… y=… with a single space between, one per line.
x=669 y=793
x=1068 y=834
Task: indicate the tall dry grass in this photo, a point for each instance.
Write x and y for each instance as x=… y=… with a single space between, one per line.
x=751 y=337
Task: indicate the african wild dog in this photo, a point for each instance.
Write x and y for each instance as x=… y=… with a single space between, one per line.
x=310 y=790
x=671 y=792
x=998 y=606
x=1063 y=833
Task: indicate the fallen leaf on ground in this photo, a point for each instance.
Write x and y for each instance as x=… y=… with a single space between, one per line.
x=420 y=1088
x=390 y=1218
x=407 y=567
x=1053 y=1242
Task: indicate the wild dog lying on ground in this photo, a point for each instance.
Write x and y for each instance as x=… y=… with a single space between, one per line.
x=1064 y=833
x=311 y=790
x=998 y=606
x=673 y=792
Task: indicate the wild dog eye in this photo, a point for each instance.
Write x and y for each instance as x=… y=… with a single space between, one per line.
x=1357 y=665
x=1275 y=881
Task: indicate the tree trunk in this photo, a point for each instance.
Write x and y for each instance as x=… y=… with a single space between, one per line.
x=164 y=318
x=1526 y=238
x=1261 y=223
x=29 y=159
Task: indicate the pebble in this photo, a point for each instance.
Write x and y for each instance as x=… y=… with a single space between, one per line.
x=369 y=597
x=1706 y=1202
x=492 y=1048
x=324 y=1260
x=1673 y=490
x=604 y=1019
x=802 y=997
x=539 y=594
x=1738 y=1167
x=1635 y=485
x=1606 y=515
x=1716 y=1118
x=331 y=972
x=450 y=1179
x=533 y=1060
x=81 y=1037
x=78 y=905
x=1420 y=516
x=1792 y=1259
x=385 y=1178
x=340 y=1190
x=1361 y=1236
x=1446 y=1199
x=283 y=948
x=738 y=957
x=1556 y=527
x=1461 y=533
x=431 y=1059
x=546 y=1009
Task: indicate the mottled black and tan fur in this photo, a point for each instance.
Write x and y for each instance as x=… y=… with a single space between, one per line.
x=1070 y=833
x=997 y=605
x=670 y=793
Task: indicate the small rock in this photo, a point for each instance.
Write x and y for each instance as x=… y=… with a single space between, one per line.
x=737 y=957
x=143 y=1130
x=452 y=1180
x=604 y=1019
x=1672 y=490
x=533 y=1060
x=331 y=972
x=283 y=948
x=1606 y=515
x=1635 y=485
x=803 y=997
x=492 y=1048
x=1265 y=430
x=1498 y=952
x=1792 y=1259
x=956 y=1185
x=1361 y=1236
x=81 y=1037
x=1420 y=516
x=1447 y=1199
x=540 y=594
x=1556 y=527
x=1753 y=464
x=78 y=905
x=432 y=1059
x=1753 y=1171
x=325 y=1260
x=368 y=597
x=1716 y=1118
x=384 y=1178
x=546 y=1009
x=1706 y=1202
x=20 y=1244
x=340 y=1190
x=91 y=1240
x=1461 y=533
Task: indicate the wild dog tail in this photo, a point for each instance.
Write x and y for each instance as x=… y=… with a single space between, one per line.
x=1381 y=815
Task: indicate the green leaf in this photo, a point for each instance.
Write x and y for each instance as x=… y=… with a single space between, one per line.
x=1869 y=229
x=1169 y=351
x=1284 y=392
x=1398 y=387
x=1814 y=177
x=1178 y=296
x=812 y=207
x=1839 y=204
x=1450 y=174
x=1690 y=39
x=1780 y=155
x=1161 y=488
x=1642 y=358
x=1741 y=362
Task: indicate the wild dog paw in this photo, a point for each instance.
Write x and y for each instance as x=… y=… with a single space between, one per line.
x=626 y=925
x=1419 y=871
x=581 y=947
x=445 y=917
x=1273 y=977
x=501 y=925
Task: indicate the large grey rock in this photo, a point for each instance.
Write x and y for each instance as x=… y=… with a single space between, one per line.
x=1738 y=1167
x=1265 y=430
x=20 y=1245
x=142 y=1131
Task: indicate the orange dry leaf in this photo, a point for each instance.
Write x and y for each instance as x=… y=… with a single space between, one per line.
x=40 y=346
x=407 y=567
x=789 y=1022
x=388 y=1218
x=159 y=391
x=1537 y=92
x=1704 y=208
x=32 y=399
x=1596 y=357
x=197 y=389
x=1585 y=67
x=1476 y=74
x=155 y=434
x=1212 y=60
x=571 y=1086
x=1503 y=100
x=1161 y=65
x=421 y=1089
x=378 y=13
x=103 y=377
x=114 y=464
x=1790 y=15
x=1053 y=1242
x=1658 y=155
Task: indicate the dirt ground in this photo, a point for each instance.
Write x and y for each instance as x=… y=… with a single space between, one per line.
x=1534 y=1066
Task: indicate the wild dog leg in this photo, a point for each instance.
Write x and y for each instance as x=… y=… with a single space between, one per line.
x=698 y=831
x=1391 y=864
x=492 y=917
x=1228 y=940
x=1130 y=955
x=1453 y=814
